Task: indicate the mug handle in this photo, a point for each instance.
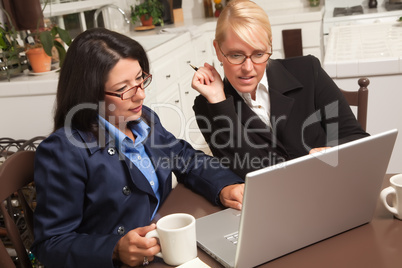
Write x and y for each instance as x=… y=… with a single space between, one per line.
x=384 y=193
x=155 y=234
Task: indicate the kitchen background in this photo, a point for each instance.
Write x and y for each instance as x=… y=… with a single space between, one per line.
x=351 y=40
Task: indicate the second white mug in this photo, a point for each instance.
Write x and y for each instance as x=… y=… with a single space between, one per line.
x=395 y=190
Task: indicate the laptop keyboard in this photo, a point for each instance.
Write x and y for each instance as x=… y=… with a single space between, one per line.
x=233 y=237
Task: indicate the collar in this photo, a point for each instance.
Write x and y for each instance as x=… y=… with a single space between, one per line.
x=93 y=144
x=139 y=128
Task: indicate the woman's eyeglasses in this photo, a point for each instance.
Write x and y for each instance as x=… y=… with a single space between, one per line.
x=129 y=93
x=238 y=58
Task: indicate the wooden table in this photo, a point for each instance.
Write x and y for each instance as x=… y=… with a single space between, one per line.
x=376 y=244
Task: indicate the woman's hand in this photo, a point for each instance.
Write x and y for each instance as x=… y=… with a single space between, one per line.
x=318 y=149
x=134 y=246
x=232 y=196
x=208 y=83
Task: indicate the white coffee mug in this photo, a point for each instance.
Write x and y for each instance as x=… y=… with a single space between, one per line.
x=395 y=190
x=177 y=238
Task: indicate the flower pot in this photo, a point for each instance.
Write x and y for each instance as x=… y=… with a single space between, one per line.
x=40 y=61
x=146 y=22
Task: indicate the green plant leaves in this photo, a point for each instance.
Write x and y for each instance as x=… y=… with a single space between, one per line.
x=153 y=8
x=62 y=52
x=49 y=39
x=46 y=39
x=63 y=34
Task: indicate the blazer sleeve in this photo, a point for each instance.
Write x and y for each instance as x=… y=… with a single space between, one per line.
x=338 y=119
x=60 y=178
x=201 y=173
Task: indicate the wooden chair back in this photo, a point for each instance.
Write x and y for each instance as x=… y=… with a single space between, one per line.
x=292 y=43
x=293 y=47
x=15 y=173
x=359 y=99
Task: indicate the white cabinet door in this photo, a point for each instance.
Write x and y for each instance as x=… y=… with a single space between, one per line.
x=183 y=58
x=169 y=109
x=209 y=37
x=24 y=117
x=203 y=49
x=165 y=72
x=192 y=133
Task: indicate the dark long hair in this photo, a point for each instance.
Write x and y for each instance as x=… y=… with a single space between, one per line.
x=85 y=71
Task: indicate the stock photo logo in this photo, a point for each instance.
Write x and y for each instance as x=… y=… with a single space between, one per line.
x=329 y=156
x=185 y=125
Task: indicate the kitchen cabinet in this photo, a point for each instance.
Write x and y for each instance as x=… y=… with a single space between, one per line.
x=169 y=109
x=192 y=133
x=165 y=72
x=203 y=48
x=209 y=37
x=24 y=117
x=172 y=96
x=26 y=106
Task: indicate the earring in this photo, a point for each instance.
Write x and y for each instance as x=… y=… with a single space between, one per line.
x=221 y=63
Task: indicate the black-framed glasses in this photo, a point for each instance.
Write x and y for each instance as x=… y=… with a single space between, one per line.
x=238 y=58
x=129 y=93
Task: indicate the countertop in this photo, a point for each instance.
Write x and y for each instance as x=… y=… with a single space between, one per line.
x=364 y=50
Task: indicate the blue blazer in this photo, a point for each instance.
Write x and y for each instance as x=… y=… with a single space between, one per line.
x=89 y=195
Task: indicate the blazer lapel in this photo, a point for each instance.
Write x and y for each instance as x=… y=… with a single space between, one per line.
x=280 y=82
x=138 y=178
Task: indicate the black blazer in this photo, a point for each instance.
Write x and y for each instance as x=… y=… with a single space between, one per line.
x=307 y=111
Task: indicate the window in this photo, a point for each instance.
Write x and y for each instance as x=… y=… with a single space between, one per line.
x=74 y=15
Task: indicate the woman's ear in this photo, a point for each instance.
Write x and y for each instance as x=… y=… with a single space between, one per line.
x=271 y=43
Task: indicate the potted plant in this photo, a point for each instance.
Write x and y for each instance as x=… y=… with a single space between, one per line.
x=41 y=43
x=150 y=12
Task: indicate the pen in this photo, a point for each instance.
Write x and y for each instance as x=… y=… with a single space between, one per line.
x=192 y=66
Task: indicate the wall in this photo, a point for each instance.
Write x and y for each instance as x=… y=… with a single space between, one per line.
x=193 y=9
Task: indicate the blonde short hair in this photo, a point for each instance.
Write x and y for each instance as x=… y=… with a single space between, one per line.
x=245 y=18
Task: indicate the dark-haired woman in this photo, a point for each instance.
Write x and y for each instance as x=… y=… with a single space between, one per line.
x=107 y=167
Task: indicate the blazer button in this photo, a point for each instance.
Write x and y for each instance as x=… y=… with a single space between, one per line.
x=120 y=230
x=126 y=190
x=111 y=151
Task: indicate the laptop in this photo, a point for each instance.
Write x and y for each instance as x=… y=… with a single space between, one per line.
x=300 y=202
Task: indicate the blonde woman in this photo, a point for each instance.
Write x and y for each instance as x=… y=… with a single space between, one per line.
x=266 y=111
